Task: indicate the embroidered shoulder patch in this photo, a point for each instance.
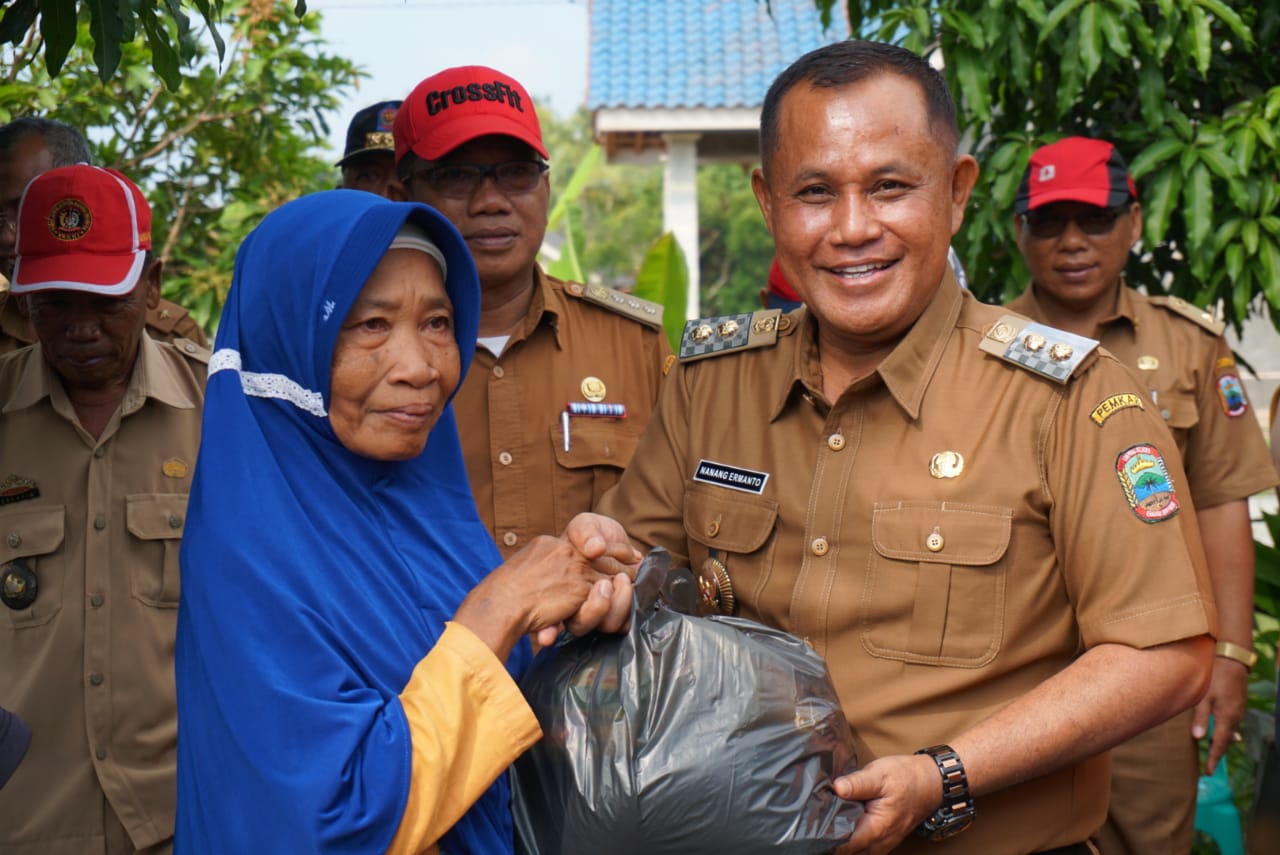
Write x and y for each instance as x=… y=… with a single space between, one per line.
x=15 y=488
x=1114 y=404
x=1231 y=393
x=1145 y=480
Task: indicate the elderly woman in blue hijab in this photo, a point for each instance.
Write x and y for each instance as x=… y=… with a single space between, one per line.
x=347 y=651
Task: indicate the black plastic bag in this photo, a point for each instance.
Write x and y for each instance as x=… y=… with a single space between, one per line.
x=688 y=734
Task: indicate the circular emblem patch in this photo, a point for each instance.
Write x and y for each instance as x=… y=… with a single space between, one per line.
x=1145 y=480
x=70 y=220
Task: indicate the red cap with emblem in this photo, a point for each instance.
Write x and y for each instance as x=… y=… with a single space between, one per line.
x=81 y=228
x=1075 y=169
x=458 y=105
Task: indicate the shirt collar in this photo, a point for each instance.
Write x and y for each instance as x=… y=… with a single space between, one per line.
x=906 y=371
x=1125 y=308
x=546 y=307
x=152 y=377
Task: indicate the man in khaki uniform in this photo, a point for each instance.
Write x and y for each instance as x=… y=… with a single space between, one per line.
x=565 y=375
x=368 y=160
x=888 y=472
x=99 y=429
x=28 y=147
x=1077 y=216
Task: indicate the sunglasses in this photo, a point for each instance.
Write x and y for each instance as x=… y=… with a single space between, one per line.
x=460 y=180
x=1094 y=222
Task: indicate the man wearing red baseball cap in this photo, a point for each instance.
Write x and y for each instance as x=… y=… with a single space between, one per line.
x=566 y=375
x=1077 y=217
x=99 y=429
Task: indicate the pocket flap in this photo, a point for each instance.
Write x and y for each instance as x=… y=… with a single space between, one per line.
x=595 y=442
x=25 y=532
x=156 y=516
x=966 y=534
x=1183 y=413
x=728 y=520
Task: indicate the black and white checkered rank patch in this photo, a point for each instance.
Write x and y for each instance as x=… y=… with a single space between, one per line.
x=1048 y=351
x=712 y=335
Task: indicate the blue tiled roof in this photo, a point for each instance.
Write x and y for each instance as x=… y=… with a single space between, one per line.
x=666 y=54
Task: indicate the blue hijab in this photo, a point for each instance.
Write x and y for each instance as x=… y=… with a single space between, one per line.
x=314 y=580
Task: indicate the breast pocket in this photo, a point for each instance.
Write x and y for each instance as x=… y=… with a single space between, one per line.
x=31 y=563
x=935 y=590
x=156 y=521
x=1178 y=409
x=599 y=449
x=738 y=529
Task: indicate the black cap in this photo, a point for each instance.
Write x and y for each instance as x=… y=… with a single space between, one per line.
x=15 y=736
x=370 y=130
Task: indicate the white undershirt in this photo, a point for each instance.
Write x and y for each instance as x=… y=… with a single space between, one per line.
x=495 y=344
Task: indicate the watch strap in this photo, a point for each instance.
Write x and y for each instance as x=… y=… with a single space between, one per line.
x=957 y=810
x=1236 y=653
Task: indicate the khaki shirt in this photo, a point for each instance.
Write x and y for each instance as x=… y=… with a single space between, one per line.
x=89 y=664
x=509 y=412
x=166 y=322
x=938 y=591
x=1186 y=367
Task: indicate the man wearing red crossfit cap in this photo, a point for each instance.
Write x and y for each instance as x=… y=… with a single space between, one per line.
x=1077 y=216
x=29 y=146
x=566 y=375
x=99 y=429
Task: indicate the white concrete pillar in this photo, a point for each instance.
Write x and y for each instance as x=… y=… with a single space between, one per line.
x=680 y=207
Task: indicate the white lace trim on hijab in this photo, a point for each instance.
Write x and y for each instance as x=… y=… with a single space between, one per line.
x=268 y=385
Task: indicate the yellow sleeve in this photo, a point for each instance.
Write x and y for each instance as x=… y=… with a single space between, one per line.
x=468 y=722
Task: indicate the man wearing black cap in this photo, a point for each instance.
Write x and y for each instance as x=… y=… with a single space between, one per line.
x=99 y=429
x=368 y=161
x=1077 y=216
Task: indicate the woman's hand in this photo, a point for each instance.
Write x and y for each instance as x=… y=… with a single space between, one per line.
x=581 y=580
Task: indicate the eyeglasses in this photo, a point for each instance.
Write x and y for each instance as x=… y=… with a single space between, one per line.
x=1094 y=221
x=460 y=180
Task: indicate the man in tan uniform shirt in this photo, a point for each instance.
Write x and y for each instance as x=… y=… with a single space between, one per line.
x=99 y=429
x=1077 y=216
x=566 y=375
x=28 y=147
x=888 y=472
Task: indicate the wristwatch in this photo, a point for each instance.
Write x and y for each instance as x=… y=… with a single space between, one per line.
x=1236 y=653
x=957 y=811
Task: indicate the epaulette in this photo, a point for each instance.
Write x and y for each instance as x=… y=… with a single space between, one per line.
x=646 y=312
x=727 y=333
x=193 y=351
x=1191 y=312
x=1039 y=348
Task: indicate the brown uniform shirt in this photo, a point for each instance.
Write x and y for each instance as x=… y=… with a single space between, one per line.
x=937 y=590
x=1189 y=373
x=166 y=322
x=89 y=664
x=524 y=480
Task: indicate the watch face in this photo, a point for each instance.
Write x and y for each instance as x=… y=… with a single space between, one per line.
x=953 y=826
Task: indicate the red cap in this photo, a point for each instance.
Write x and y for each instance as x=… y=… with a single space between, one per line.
x=457 y=105
x=1075 y=169
x=81 y=228
x=779 y=285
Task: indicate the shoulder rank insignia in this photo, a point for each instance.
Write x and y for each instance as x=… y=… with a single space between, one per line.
x=646 y=312
x=191 y=350
x=1191 y=312
x=712 y=336
x=1042 y=349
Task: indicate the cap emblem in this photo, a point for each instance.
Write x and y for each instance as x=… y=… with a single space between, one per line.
x=70 y=220
x=1047 y=172
x=386 y=119
x=379 y=139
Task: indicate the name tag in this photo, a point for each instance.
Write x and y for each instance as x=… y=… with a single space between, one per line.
x=733 y=477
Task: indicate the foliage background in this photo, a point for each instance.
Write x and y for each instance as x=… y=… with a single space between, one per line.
x=234 y=140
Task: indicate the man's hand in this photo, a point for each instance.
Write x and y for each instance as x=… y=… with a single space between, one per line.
x=898 y=792
x=1228 y=691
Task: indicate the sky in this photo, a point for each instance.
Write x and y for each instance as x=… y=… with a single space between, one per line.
x=541 y=43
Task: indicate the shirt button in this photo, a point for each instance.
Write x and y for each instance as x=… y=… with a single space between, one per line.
x=497 y=371
x=175 y=521
x=835 y=442
x=99 y=522
x=510 y=538
x=96 y=601
x=1164 y=414
x=934 y=542
x=189 y=348
x=101 y=754
x=100 y=451
x=95 y=679
x=14 y=540
x=819 y=546
x=505 y=458
x=713 y=528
